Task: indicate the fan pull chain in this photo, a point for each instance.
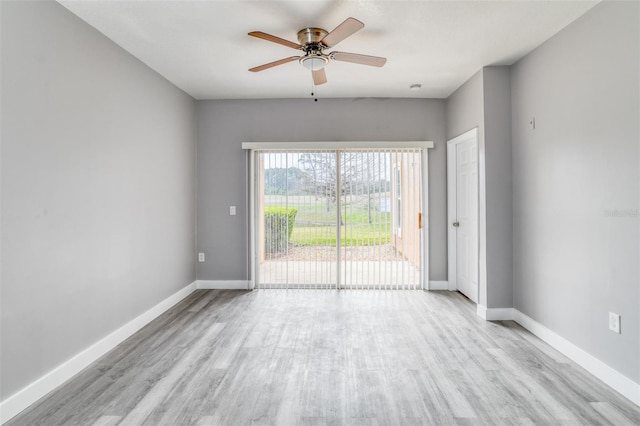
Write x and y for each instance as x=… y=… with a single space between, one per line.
x=313 y=90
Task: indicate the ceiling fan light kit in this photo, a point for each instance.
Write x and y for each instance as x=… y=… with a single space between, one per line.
x=313 y=63
x=313 y=41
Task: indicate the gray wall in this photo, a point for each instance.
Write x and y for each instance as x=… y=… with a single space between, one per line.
x=497 y=153
x=98 y=164
x=484 y=102
x=575 y=258
x=465 y=108
x=222 y=171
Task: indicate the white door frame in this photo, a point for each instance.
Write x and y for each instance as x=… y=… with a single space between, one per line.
x=451 y=216
x=253 y=147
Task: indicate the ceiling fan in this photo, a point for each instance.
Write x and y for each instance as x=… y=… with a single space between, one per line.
x=313 y=42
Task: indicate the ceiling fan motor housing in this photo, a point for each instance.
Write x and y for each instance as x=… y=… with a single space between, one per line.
x=311 y=35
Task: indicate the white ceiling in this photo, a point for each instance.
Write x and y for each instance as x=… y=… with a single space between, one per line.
x=202 y=46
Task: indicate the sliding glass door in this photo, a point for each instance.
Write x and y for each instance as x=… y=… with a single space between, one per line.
x=339 y=219
x=297 y=217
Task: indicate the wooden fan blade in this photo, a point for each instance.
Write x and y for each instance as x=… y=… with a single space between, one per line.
x=342 y=31
x=319 y=77
x=274 y=39
x=374 y=61
x=274 y=64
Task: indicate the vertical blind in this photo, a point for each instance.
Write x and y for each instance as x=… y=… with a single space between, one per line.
x=346 y=219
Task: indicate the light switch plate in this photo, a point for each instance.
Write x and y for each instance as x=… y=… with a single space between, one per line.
x=614 y=322
x=232 y=210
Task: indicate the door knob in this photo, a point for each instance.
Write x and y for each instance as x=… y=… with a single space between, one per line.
x=456 y=224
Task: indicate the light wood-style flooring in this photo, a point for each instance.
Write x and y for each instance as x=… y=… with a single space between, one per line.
x=319 y=357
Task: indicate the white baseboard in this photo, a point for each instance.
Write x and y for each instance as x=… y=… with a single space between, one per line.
x=494 y=314
x=622 y=384
x=438 y=285
x=22 y=399
x=223 y=284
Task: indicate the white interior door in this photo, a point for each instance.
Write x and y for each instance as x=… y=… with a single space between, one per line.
x=466 y=223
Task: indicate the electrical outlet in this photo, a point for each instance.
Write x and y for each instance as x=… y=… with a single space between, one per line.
x=232 y=210
x=200 y=257
x=614 y=322
x=532 y=123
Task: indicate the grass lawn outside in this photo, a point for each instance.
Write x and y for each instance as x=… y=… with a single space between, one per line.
x=315 y=224
x=357 y=235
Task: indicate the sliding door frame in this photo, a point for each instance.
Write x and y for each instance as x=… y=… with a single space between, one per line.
x=254 y=148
